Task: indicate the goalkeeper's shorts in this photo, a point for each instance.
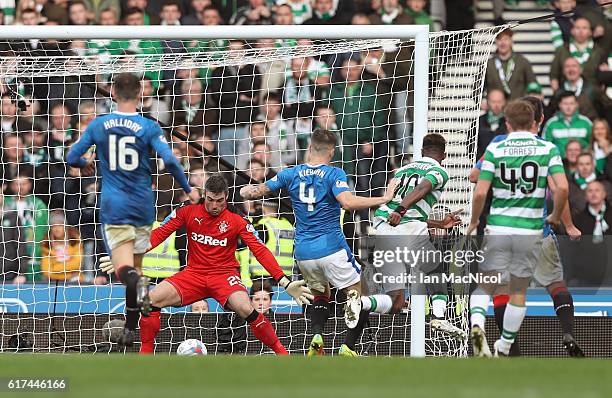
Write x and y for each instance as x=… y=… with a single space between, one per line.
x=338 y=269
x=549 y=268
x=116 y=235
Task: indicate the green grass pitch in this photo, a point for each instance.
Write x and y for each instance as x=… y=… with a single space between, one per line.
x=296 y=377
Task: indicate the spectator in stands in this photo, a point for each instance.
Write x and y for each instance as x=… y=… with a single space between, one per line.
x=95 y=8
x=591 y=101
x=233 y=93
x=197 y=177
x=12 y=155
x=151 y=104
x=13 y=246
x=508 y=70
x=9 y=120
x=416 y=10
x=211 y=17
x=189 y=108
x=78 y=14
x=493 y=122
x=33 y=217
x=27 y=14
x=256 y=12
x=325 y=13
x=200 y=307
x=62 y=250
x=581 y=47
x=568 y=124
x=391 y=12
x=256 y=170
x=195 y=14
x=561 y=25
x=585 y=170
x=142 y=6
x=301 y=10
x=61 y=132
x=283 y=15
x=170 y=15
x=261 y=296
x=602 y=28
x=601 y=145
x=272 y=72
x=36 y=151
x=56 y=11
x=596 y=219
x=280 y=132
x=573 y=149
x=261 y=152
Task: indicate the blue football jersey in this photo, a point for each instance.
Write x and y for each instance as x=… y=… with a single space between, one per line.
x=313 y=191
x=123 y=147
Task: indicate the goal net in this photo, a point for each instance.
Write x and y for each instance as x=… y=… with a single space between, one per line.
x=245 y=108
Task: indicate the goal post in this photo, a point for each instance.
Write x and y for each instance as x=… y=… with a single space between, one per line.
x=446 y=72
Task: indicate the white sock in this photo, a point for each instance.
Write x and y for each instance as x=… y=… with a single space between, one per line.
x=513 y=318
x=479 y=303
x=380 y=303
x=438 y=305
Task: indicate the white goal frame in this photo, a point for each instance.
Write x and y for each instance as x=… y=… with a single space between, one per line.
x=418 y=33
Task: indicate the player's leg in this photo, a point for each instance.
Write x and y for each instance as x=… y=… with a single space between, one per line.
x=162 y=295
x=317 y=282
x=500 y=302
x=238 y=301
x=526 y=251
x=549 y=273
x=141 y=244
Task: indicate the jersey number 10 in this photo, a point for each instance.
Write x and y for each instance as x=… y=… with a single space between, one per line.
x=118 y=153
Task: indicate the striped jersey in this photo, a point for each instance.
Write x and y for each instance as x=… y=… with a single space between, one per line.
x=409 y=177
x=518 y=166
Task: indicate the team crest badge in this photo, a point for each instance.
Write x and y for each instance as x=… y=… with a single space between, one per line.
x=223 y=226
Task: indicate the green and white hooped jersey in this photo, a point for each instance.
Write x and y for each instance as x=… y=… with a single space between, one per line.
x=518 y=167
x=410 y=176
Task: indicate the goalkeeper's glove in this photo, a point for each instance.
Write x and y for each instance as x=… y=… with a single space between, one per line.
x=106 y=265
x=297 y=289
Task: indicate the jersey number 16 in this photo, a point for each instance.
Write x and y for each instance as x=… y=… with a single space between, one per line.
x=119 y=153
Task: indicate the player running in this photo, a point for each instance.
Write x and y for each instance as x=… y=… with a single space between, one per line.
x=317 y=192
x=549 y=270
x=123 y=141
x=517 y=168
x=212 y=269
x=420 y=186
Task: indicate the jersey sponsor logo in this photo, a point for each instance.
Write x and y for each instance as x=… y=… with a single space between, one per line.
x=341 y=184
x=208 y=240
x=223 y=226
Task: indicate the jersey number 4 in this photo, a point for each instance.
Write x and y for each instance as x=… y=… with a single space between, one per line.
x=527 y=180
x=119 y=153
x=310 y=198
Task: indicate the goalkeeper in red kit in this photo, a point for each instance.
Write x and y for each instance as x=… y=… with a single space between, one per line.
x=212 y=269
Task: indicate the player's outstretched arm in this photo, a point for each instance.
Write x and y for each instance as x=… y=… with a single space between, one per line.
x=560 y=195
x=251 y=192
x=566 y=216
x=350 y=202
x=478 y=203
x=79 y=155
x=413 y=197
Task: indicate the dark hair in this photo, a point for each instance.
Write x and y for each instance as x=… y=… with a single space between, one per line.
x=216 y=184
x=322 y=140
x=434 y=142
x=29 y=11
x=565 y=94
x=571 y=142
x=273 y=95
x=252 y=161
x=505 y=32
x=126 y=86
x=585 y=153
x=77 y=2
x=519 y=115
x=259 y=285
x=169 y=3
x=131 y=11
x=538 y=107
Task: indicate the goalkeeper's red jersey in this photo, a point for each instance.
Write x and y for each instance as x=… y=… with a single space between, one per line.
x=211 y=241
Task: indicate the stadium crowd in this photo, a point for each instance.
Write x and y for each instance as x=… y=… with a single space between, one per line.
x=258 y=117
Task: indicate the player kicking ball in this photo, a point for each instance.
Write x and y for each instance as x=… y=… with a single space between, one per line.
x=420 y=186
x=317 y=191
x=212 y=269
x=123 y=141
x=517 y=167
x=548 y=272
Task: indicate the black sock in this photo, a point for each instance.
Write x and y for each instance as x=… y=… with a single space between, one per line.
x=515 y=348
x=129 y=277
x=564 y=307
x=319 y=315
x=352 y=335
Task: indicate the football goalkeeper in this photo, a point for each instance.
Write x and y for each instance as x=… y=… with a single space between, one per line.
x=212 y=269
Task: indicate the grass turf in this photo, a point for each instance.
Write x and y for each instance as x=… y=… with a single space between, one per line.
x=296 y=377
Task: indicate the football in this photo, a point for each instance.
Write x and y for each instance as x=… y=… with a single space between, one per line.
x=191 y=347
